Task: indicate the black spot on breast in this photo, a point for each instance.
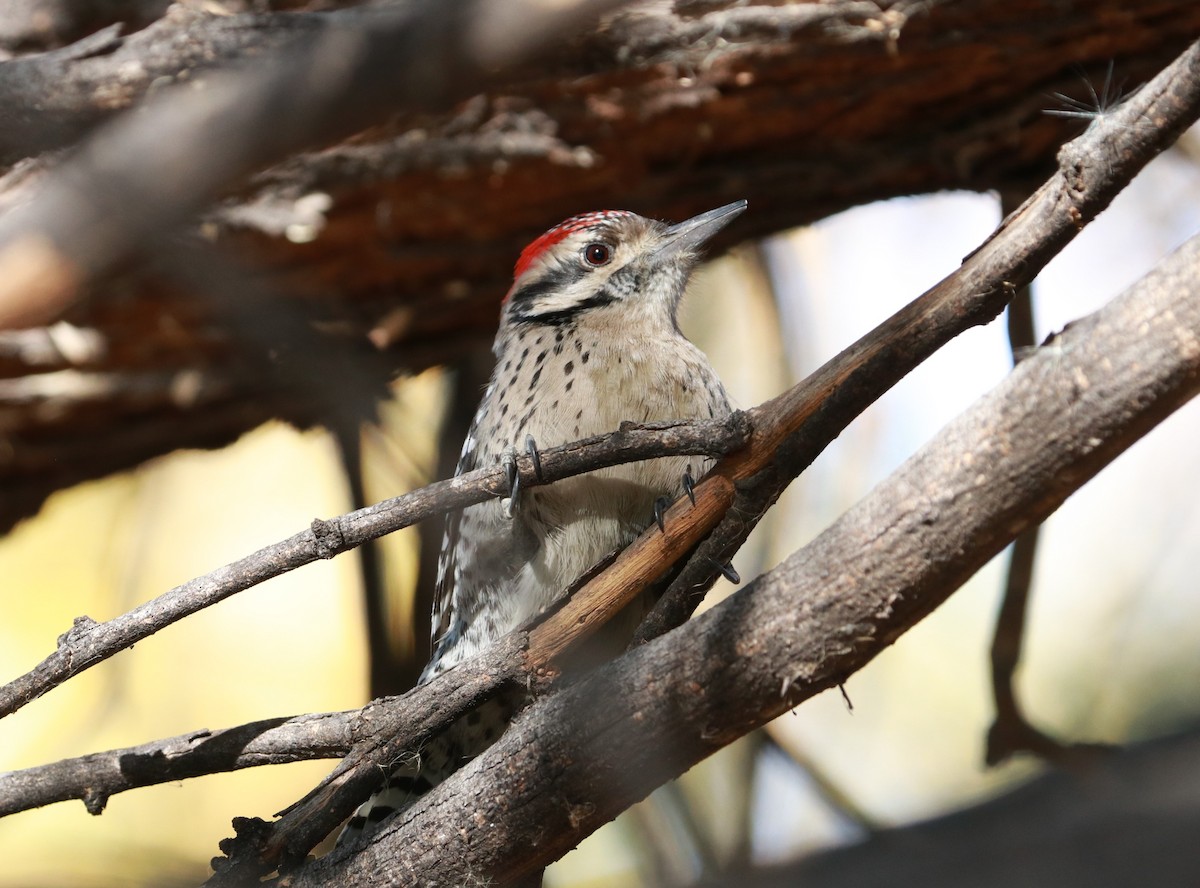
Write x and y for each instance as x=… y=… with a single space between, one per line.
x=508 y=365
x=534 y=380
x=504 y=410
x=558 y=335
x=570 y=382
x=579 y=415
x=569 y=368
x=554 y=406
x=542 y=356
x=585 y=357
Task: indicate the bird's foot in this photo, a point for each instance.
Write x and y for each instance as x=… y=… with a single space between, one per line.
x=660 y=507
x=512 y=502
x=689 y=484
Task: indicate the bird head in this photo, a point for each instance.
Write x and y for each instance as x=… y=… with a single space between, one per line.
x=613 y=263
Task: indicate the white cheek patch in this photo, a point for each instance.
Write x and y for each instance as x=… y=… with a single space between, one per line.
x=568 y=298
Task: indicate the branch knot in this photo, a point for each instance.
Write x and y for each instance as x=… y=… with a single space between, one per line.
x=328 y=537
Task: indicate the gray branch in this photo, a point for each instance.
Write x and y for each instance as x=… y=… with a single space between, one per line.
x=89 y=642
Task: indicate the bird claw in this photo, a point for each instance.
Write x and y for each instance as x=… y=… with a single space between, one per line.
x=660 y=507
x=728 y=572
x=512 y=502
x=532 y=450
x=689 y=485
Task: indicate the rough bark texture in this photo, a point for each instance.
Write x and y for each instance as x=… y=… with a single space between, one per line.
x=401 y=239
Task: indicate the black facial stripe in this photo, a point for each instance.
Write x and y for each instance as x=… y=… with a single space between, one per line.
x=566 y=315
x=561 y=276
x=524 y=301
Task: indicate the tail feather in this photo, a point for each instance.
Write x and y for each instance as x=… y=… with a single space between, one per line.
x=441 y=757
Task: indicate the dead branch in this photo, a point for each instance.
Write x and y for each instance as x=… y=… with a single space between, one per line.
x=89 y=642
x=94 y=778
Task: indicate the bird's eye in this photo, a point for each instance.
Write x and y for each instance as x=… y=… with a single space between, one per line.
x=597 y=254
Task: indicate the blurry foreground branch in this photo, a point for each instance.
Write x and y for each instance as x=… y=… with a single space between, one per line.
x=122 y=189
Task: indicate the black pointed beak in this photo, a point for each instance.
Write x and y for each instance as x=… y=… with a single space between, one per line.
x=695 y=232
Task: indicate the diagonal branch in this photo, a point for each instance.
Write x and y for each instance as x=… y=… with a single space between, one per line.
x=813 y=413
x=89 y=642
x=563 y=769
x=793 y=429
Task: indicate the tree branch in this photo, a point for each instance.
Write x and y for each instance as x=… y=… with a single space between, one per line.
x=562 y=770
x=89 y=642
x=94 y=778
x=123 y=188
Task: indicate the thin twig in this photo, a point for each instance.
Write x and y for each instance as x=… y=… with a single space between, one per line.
x=89 y=642
x=94 y=778
x=1010 y=731
x=1010 y=725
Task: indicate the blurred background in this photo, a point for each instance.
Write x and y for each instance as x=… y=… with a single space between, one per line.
x=1111 y=649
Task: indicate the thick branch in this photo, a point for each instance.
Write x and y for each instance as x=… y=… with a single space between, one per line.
x=89 y=642
x=118 y=193
x=563 y=770
x=409 y=230
x=1130 y=818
